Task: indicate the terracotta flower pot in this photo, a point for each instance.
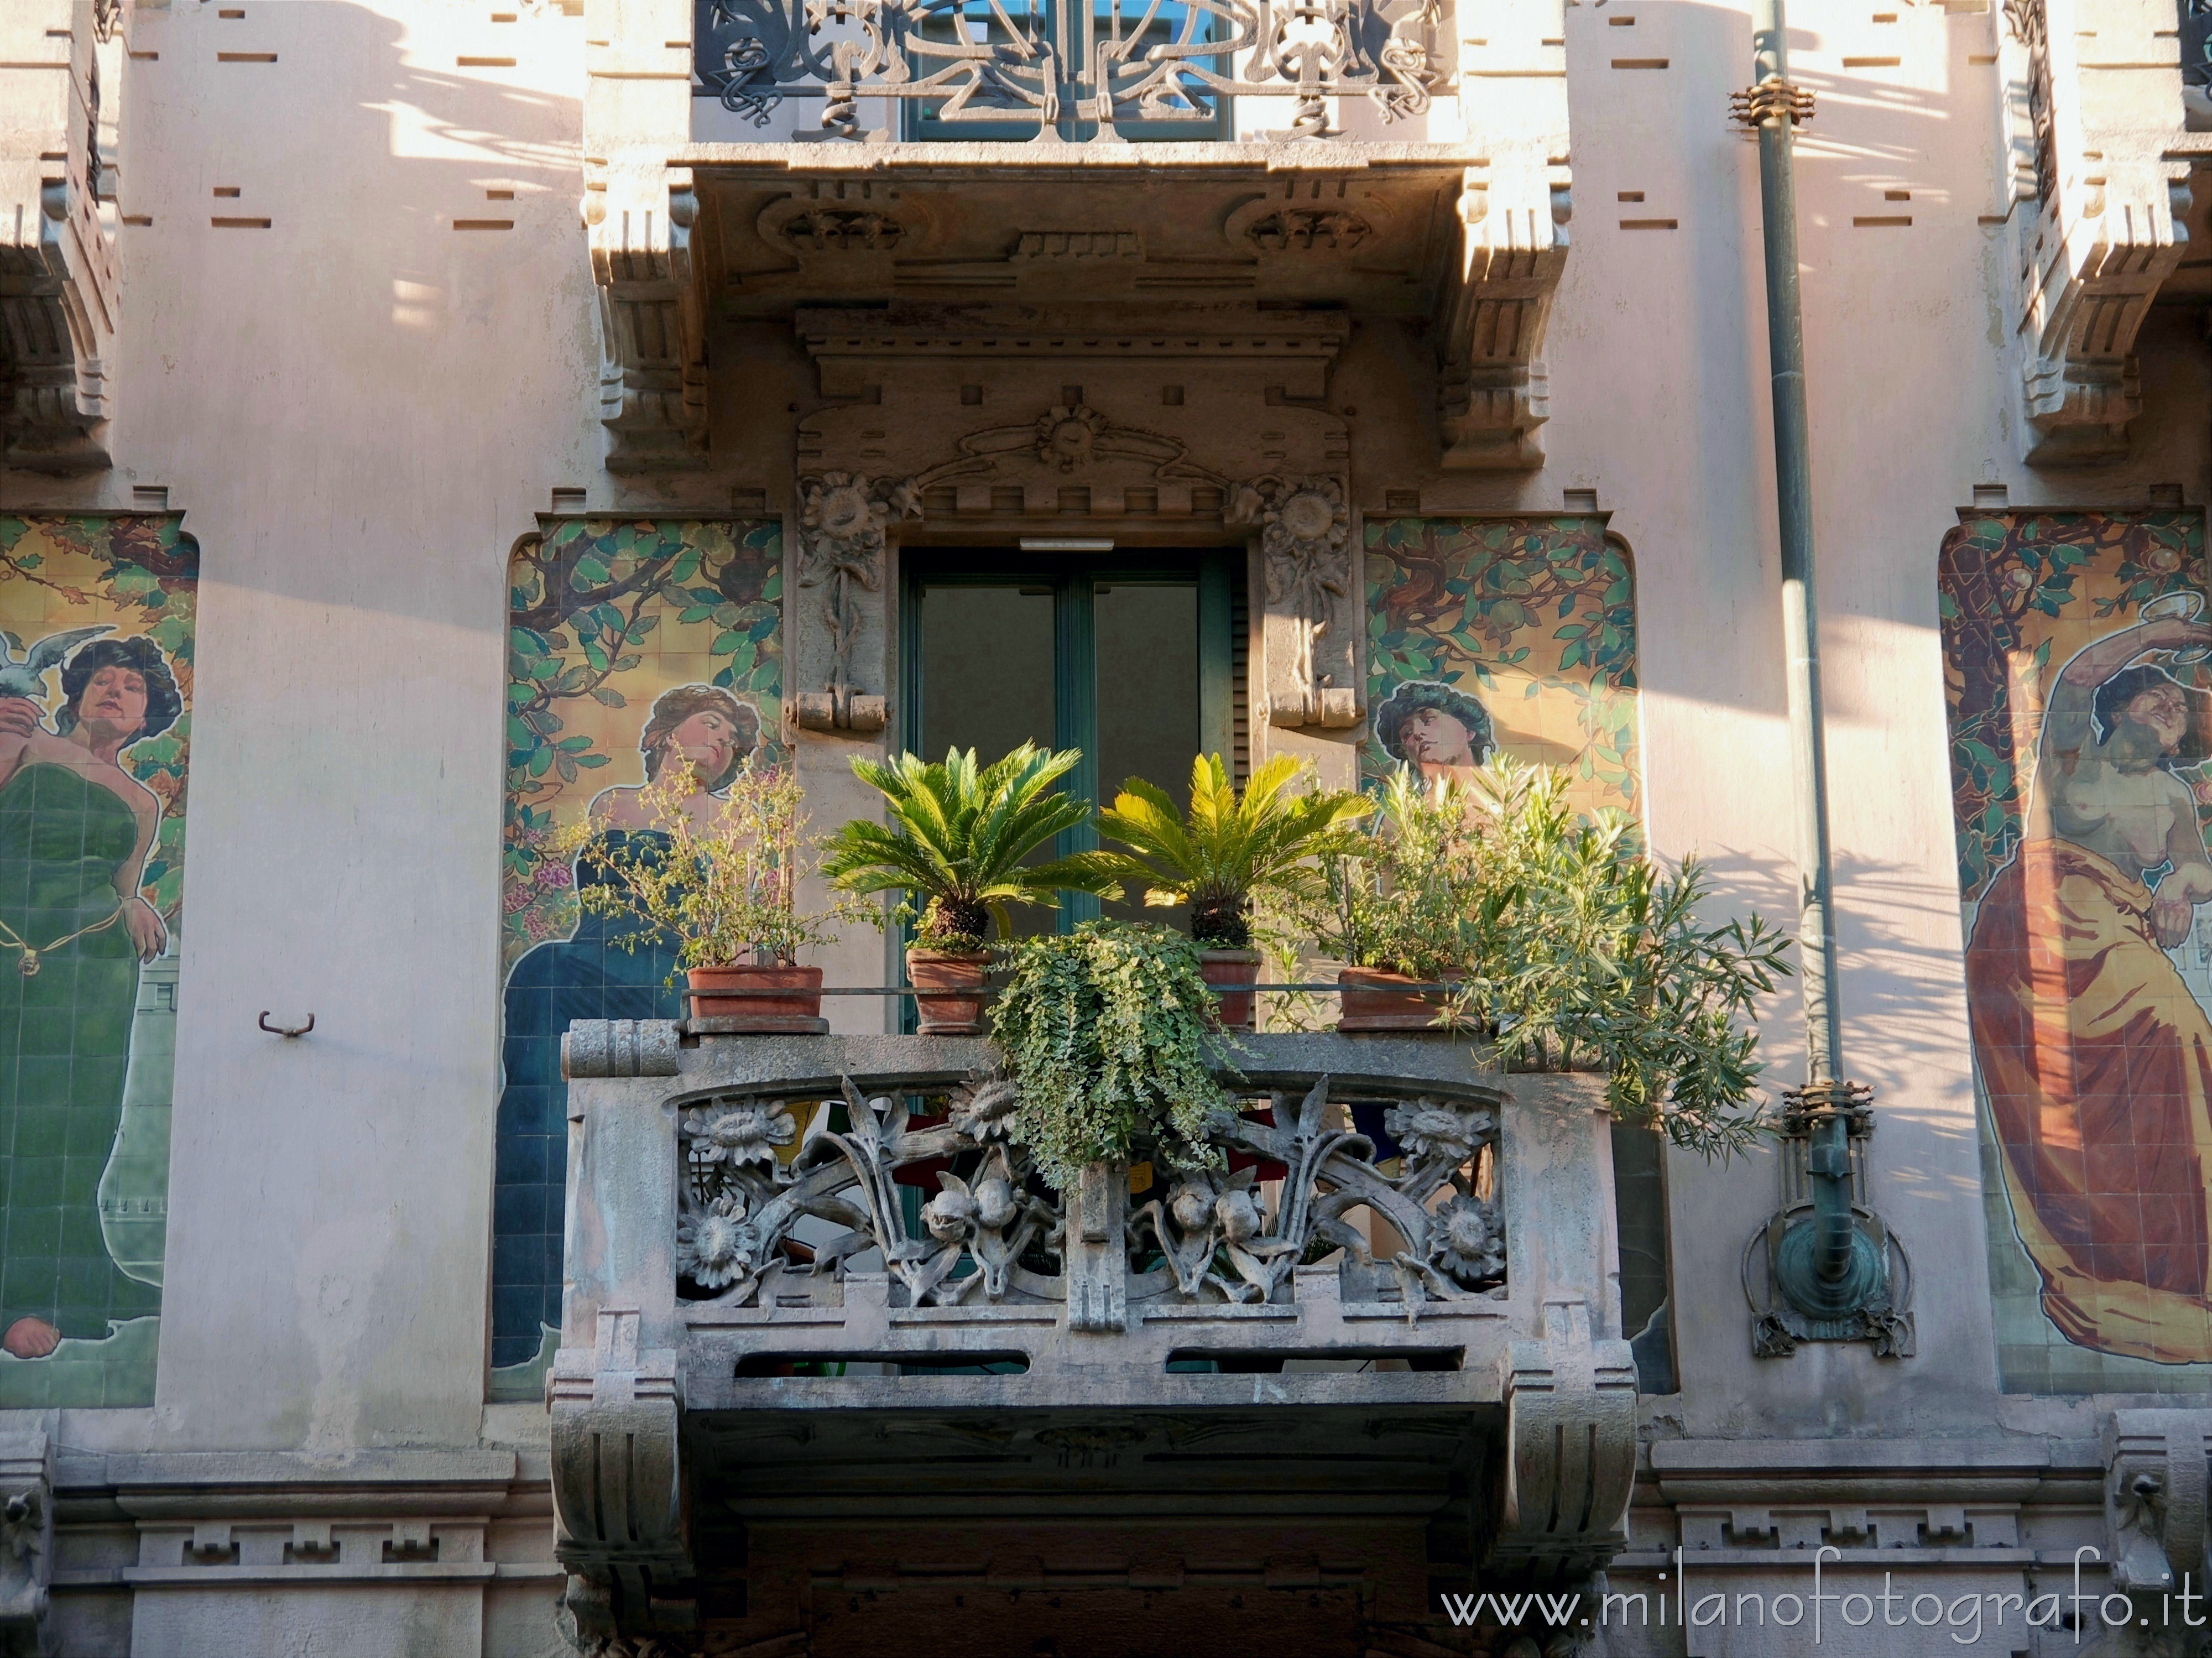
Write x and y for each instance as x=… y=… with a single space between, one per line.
x=949 y=999
x=1373 y=1000
x=1232 y=973
x=759 y=1001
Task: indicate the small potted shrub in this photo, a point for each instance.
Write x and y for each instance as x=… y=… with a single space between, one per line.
x=1110 y=1037
x=1228 y=851
x=1582 y=954
x=1396 y=907
x=721 y=875
x=954 y=846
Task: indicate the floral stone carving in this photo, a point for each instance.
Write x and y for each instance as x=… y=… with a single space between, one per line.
x=842 y=519
x=995 y=1232
x=1305 y=542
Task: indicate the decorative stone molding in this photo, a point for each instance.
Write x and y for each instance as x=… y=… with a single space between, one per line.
x=1513 y=213
x=619 y=1509
x=27 y=1540
x=619 y=1047
x=638 y=215
x=2100 y=172
x=842 y=517
x=2156 y=1469
x=1313 y=599
x=59 y=275
x=1571 y=1456
x=1152 y=426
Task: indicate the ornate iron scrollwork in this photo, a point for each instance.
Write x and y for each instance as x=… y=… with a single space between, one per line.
x=1037 y=63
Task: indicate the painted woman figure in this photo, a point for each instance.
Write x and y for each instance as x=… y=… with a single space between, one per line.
x=76 y=830
x=588 y=976
x=2095 y=1058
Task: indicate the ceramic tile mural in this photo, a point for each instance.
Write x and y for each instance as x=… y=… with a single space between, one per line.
x=2080 y=726
x=1517 y=634
x=628 y=642
x=95 y=728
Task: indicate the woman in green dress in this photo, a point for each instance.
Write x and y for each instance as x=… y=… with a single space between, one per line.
x=74 y=832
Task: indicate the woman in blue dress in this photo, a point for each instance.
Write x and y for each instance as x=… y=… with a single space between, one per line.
x=588 y=976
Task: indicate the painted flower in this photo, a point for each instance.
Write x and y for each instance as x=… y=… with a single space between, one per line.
x=717 y=1248
x=1467 y=1243
x=554 y=874
x=1067 y=438
x=987 y=1111
x=749 y=1133
x=519 y=899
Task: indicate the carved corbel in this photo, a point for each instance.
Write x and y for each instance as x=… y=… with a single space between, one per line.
x=1570 y=1450
x=842 y=553
x=619 y=1514
x=1513 y=247
x=2096 y=118
x=1312 y=567
x=638 y=215
x=58 y=269
x=2155 y=1488
x=1097 y=1250
x=27 y=1541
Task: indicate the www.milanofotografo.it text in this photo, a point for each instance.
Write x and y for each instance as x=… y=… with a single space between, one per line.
x=1963 y=1617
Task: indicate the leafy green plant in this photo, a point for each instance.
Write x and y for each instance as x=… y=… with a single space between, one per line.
x=957 y=839
x=1110 y=1034
x=1567 y=948
x=1231 y=849
x=1399 y=897
x=723 y=884
x=1586 y=956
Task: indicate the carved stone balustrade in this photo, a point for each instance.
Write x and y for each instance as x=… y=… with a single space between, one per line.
x=1396 y=1286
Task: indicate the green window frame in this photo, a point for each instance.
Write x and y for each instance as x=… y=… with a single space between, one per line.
x=1074 y=582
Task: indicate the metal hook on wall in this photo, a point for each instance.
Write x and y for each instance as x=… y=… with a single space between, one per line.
x=286 y=1030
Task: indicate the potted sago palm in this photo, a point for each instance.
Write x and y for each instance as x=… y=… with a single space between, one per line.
x=955 y=845
x=1229 y=851
x=720 y=873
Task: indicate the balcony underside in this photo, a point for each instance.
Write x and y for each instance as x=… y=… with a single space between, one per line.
x=1372 y=227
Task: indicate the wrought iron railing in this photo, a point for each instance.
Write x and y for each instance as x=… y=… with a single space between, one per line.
x=1111 y=68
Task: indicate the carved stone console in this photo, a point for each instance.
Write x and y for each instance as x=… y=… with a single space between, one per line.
x=2101 y=180
x=27 y=1541
x=618 y=1500
x=60 y=66
x=638 y=215
x=1571 y=1451
x=2156 y=1464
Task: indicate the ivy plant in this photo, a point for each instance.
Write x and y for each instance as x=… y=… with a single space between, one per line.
x=1110 y=1034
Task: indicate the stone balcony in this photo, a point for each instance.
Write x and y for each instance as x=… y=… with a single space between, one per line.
x=1394 y=1304
x=1194 y=172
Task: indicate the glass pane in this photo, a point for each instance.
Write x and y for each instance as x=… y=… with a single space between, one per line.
x=986 y=670
x=987 y=682
x=1147 y=697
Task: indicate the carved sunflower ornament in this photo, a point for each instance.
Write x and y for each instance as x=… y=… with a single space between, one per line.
x=1067 y=437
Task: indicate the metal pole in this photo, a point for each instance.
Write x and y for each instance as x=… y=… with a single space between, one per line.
x=1828 y=1153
